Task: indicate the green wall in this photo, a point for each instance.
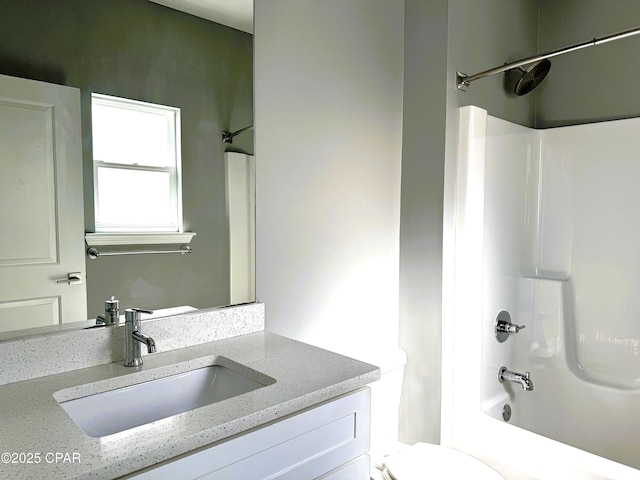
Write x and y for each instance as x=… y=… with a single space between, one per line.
x=140 y=50
x=595 y=83
x=423 y=136
x=486 y=34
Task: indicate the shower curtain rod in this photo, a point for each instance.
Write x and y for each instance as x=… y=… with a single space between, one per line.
x=463 y=80
x=227 y=137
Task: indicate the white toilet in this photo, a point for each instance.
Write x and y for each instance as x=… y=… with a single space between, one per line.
x=429 y=461
x=392 y=460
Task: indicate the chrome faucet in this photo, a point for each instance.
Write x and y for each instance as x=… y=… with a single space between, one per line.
x=133 y=338
x=111 y=315
x=524 y=380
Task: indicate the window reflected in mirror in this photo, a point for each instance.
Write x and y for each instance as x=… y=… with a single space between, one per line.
x=136 y=162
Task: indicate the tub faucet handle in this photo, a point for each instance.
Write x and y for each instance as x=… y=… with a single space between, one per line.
x=504 y=327
x=511 y=327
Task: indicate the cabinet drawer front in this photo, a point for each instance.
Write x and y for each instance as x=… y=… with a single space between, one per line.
x=283 y=461
x=305 y=445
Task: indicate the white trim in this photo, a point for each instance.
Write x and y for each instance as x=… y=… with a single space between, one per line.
x=101 y=239
x=172 y=114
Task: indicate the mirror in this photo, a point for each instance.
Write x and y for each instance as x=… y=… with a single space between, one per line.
x=147 y=52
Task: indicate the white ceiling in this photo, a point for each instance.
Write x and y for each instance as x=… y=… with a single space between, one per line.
x=236 y=14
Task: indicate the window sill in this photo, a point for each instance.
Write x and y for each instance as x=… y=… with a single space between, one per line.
x=170 y=238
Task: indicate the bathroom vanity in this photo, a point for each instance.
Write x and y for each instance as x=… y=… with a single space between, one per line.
x=287 y=410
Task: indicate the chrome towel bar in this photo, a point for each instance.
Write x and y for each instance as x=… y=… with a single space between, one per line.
x=93 y=253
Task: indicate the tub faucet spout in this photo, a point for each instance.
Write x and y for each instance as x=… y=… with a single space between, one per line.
x=508 y=376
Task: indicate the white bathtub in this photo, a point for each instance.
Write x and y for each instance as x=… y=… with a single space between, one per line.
x=522 y=213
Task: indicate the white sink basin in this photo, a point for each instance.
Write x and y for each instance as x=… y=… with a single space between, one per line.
x=120 y=409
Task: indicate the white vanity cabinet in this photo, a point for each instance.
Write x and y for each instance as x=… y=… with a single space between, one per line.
x=328 y=441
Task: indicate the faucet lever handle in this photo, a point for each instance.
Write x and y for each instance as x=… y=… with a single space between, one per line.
x=504 y=327
x=513 y=328
x=141 y=310
x=133 y=314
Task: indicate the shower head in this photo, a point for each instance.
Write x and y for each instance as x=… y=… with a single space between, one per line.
x=532 y=76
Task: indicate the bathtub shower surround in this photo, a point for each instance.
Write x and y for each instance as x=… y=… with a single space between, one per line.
x=556 y=247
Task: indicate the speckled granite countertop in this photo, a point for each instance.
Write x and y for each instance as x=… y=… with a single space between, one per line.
x=34 y=423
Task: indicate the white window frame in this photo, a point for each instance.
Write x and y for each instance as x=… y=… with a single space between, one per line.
x=172 y=114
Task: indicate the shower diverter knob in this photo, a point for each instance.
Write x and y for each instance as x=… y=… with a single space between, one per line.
x=504 y=327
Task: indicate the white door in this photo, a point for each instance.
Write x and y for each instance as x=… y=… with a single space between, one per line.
x=41 y=208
